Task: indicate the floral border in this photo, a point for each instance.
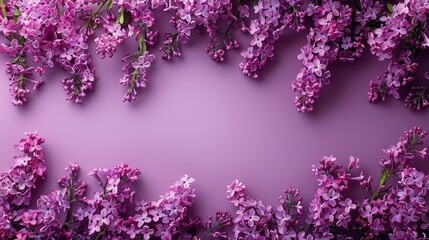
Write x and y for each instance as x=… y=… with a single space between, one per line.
x=58 y=32
x=396 y=208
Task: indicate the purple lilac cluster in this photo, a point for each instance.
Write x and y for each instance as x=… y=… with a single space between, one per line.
x=199 y=14
x=48 y=31
x=397 y=208
x=404 y=27
x=69 y=213
x=51 y=219
x=167 y=218
x=273 y=17
x=403 y=18
x=126 y=19
x=329 y=40
x=339 y=34
x=254 y=220
x=164 y=217
x=18 y=182
x=330 y=210
x=398 y=74
x=418 y=98
x=100 y=215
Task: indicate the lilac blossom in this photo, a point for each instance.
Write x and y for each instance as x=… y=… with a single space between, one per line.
x=125 y=19
x=403 y=27
x=254 y=220
x=204 y=15
x=46 y=30
x=328 y=41
x=273 y=17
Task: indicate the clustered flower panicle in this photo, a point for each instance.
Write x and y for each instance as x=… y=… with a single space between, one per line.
x=328 y=41
x=125 y=19
x=397 y=207
x=273 y=17
x=49 y=34
x=204 y=15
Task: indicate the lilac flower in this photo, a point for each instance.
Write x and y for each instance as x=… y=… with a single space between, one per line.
x=255 y=220
x=202 y=14
x=41 y=31
x=273 y=17
x=112 y=185
x=368 y=212
x=348 y=205
x=235 y=189
x=147 y=232
x=19 y=180
x=133 y=231
x=257 y=40
x=417 y=98
x=142 y=219
x=29 y=218
x=331 y=27
x=143 y=62
x=22 y=179
x=135 y=76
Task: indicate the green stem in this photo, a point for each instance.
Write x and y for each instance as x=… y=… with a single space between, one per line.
x=71 y=200
x=414 y=141
x=230 y=25
x=58 y=9
x=142 y=50
x=375 y=195
x=142 y=43
x=3 y=9
x=133 y=80
x=21 y=83
x=359 y=7
x=308 y=228
x=94 y=14
x=21 y=61
x=105 y=191
x=99 y=235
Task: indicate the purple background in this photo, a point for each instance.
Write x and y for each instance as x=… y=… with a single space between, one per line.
x=211 y=122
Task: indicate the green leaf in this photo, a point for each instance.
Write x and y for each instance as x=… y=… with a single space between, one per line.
x=127 y=16
x=109 y=5
x=21 y=40
x=121 y=18
x=384 y=176
x=141 y=43
x=16 y=12
x=390 y=7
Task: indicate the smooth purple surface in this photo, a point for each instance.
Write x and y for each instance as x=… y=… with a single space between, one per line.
x=211 y=122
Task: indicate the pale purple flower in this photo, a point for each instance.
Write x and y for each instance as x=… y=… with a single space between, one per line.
x=142 y=219
x=143 y=62
x=147 y=232
x=257 y=40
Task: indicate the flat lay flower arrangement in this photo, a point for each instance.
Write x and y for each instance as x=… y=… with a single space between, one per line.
x=394 y=207
x=57 y=33
x=39 y=35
